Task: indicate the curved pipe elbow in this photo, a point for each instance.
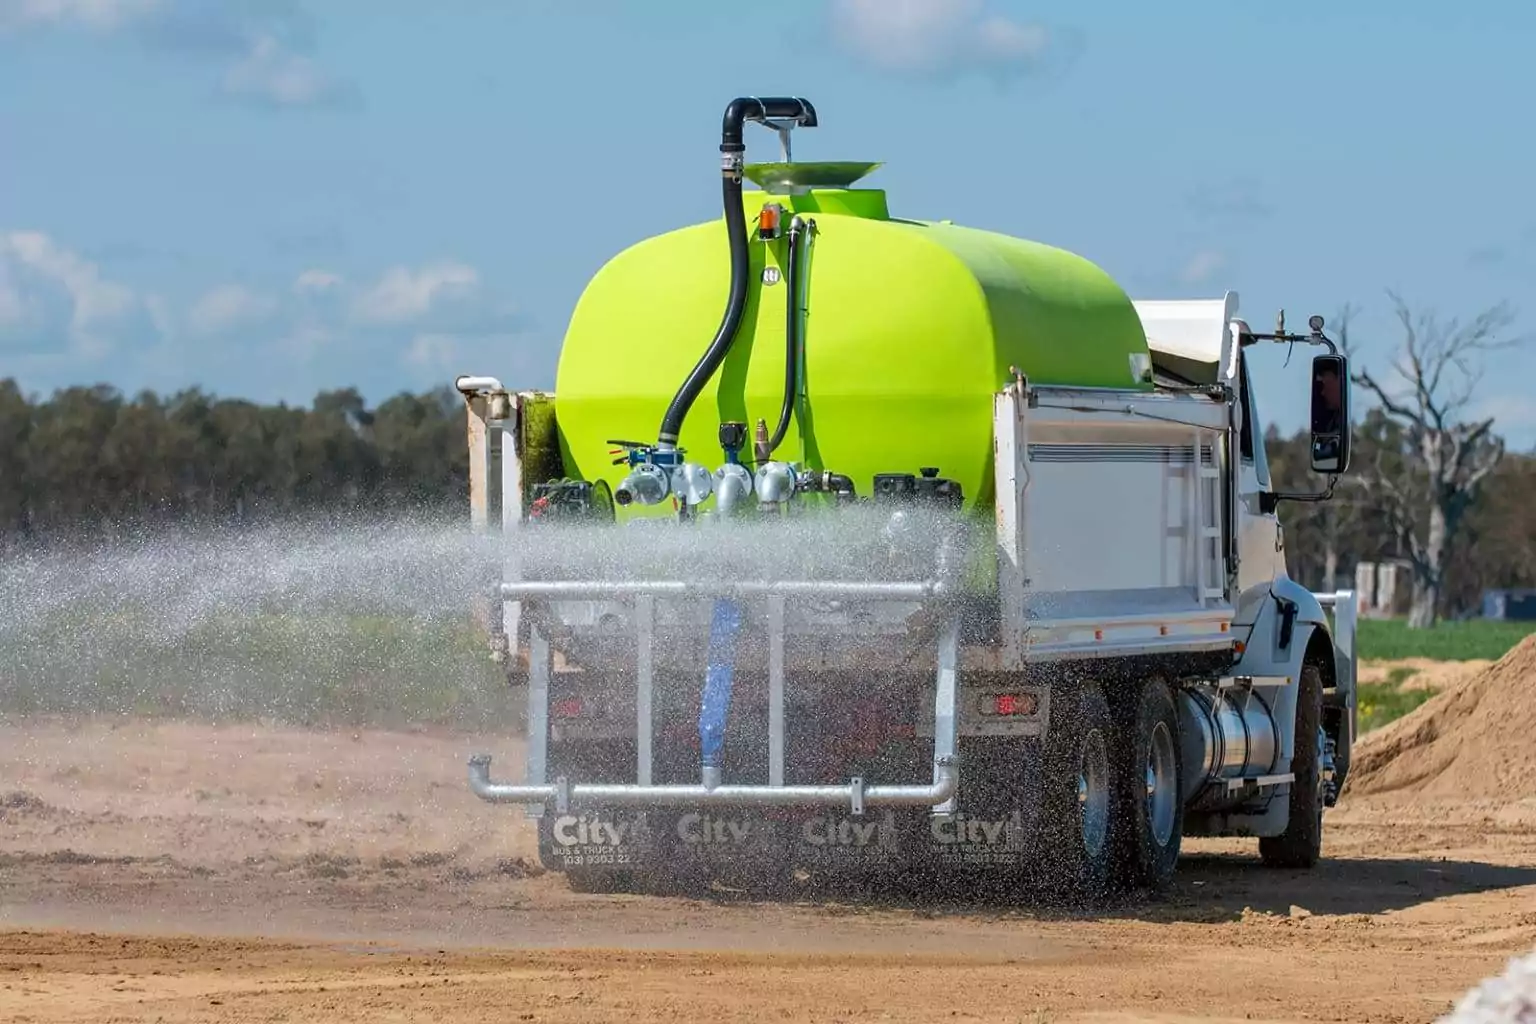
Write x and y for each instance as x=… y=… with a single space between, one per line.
x=467 y=385
x=480 y=780
x=754 y=108
x=947 y=782
x=737 y=112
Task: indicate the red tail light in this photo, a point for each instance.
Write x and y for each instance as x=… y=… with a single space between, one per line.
x=1008 y=705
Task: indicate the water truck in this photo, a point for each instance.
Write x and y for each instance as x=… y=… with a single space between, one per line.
x=854 y=543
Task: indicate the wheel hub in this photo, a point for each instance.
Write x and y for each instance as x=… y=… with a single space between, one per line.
x=1162 y=791
x=1093 y=793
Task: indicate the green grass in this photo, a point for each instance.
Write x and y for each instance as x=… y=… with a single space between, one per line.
x=335 y=667
x=1391 y=639
x=328 y=669
x=1380 y=703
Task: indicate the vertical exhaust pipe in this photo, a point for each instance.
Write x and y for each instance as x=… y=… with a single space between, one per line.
x=737 y=113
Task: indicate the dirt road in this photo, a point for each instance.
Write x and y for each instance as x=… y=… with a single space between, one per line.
x=186 y=873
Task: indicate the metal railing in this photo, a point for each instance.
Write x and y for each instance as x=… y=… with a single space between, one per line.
x=536 y=789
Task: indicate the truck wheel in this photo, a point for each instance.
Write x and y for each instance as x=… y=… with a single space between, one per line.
x=1079 y=820
x=1151 y=770
x=1301 y=844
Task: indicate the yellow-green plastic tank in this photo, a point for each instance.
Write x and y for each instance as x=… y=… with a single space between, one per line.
x=910 y=328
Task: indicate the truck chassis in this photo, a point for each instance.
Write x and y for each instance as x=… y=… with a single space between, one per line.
x=1048 y=728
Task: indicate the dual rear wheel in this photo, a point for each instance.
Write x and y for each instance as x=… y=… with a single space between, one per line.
x=1114 y=800
x=1113 y=812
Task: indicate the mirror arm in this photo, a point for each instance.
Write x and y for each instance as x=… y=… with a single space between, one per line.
x=1269 y=500
x=1303 y=339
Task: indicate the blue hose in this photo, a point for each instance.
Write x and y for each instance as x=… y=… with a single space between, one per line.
x=716 y=701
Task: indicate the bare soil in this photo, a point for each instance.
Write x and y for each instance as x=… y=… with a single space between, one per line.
x=179 y=872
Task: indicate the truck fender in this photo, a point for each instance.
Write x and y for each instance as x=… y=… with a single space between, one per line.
x=1289 y=630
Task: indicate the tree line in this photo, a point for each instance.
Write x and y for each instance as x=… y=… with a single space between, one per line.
x=1429 y=485
x=1492 y=545
x=91 y=461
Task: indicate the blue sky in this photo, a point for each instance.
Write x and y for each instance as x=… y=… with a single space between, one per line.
x=270 y=197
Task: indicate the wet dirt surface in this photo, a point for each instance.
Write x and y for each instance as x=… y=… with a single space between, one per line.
x=180 y=872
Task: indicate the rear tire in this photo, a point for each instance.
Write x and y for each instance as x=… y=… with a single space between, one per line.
x=1079 y=821
x=1301 y=844
x=1151 y=800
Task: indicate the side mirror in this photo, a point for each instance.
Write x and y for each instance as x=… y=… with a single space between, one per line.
x=1330 y=414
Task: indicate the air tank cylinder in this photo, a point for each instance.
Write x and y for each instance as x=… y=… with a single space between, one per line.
x=1227 y=733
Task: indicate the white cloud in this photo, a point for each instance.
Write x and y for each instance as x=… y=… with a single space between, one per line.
x=1006 y=41
x=316 y=281
x=13 y=308
x=937 y=36
x=258 y=40
x=54 y=301
x=271 y=73
x=226 y=308
x=95 y=14
x=1203 y=266
x=306 y=341
x=434 y=351
x=404 y=295
x=63 y=322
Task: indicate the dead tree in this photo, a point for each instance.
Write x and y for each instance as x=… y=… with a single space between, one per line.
x=1425 y=489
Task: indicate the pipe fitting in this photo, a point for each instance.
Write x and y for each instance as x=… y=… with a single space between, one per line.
x=692 y=483
x=775 y=482
x=647 y=484
x=468 y=385
x=752 y=108
x=733 y=485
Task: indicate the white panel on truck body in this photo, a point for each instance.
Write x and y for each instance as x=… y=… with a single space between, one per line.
x=1121 y=525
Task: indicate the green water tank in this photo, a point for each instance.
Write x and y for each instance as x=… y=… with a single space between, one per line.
x=910 y=328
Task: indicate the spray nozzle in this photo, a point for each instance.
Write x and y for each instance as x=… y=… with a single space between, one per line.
x=775 y=482
x=647 y=484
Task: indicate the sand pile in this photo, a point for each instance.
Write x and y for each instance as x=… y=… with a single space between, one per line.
x=1476 y=741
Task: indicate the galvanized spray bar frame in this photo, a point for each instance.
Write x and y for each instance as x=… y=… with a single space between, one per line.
x=536 y=790
x=494 y=415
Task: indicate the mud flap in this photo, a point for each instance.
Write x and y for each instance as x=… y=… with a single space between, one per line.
x=838 y=842
x=996 y=824
x=995 y=828
x=723 y=837
x=598 y=839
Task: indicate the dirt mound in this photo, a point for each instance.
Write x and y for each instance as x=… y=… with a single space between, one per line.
x=1473 y=741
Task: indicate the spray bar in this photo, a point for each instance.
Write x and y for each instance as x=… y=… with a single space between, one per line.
x=856 y=796
x=536 y=790
x=557 y=590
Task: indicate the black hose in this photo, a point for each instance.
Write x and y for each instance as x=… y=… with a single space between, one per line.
x=777 y=108
x=737 y=113
x=793 y=269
